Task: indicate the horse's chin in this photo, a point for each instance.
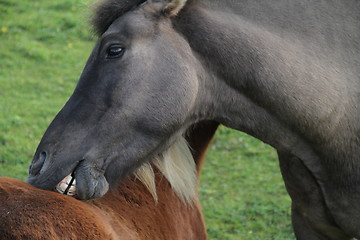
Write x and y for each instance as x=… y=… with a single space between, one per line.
x=83 y=183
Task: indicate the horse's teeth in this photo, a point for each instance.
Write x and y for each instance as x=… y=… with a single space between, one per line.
x=64 y=184
x=68 y=179
x=72 y=191
x=62 y=187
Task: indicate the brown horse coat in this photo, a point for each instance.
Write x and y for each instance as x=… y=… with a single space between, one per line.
x=128 y=212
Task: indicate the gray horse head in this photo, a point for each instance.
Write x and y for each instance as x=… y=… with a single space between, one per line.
x=135 y=96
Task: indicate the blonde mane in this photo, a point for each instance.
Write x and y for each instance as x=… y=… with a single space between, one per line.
x=178 y=167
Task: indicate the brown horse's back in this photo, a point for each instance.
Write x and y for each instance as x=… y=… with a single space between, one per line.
x=30 y=213
x=127 y=213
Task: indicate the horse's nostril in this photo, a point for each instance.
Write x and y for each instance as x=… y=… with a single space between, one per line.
x=42 y=157
x=38 y=163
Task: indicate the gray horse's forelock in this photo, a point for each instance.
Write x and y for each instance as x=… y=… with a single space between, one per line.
x=107 y=11
x=178 y=167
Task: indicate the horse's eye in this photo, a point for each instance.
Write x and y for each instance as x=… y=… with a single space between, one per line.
x=114 y=51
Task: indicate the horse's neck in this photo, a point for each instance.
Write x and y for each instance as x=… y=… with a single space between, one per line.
x=131 y=206
x=281 y=89
x=235 y=54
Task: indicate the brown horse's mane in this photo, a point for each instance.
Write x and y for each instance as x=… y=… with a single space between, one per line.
x=107 y=11
x=177 y=166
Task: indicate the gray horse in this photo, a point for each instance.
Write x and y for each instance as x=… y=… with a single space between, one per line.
x=286 y=72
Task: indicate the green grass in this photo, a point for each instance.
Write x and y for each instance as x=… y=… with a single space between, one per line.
x=242 y=192
x=43 y=48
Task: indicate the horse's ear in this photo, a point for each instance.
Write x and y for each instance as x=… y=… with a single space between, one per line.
x=173 y=7
x=168 y=8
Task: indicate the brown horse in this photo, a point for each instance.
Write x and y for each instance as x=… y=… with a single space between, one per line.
x=147 y=206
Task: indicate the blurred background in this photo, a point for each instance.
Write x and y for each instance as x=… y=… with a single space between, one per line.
x=44 y=46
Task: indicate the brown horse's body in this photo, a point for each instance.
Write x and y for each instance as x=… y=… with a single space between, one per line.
x=128 y=212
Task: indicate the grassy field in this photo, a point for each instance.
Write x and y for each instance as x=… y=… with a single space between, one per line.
x=43 y=48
